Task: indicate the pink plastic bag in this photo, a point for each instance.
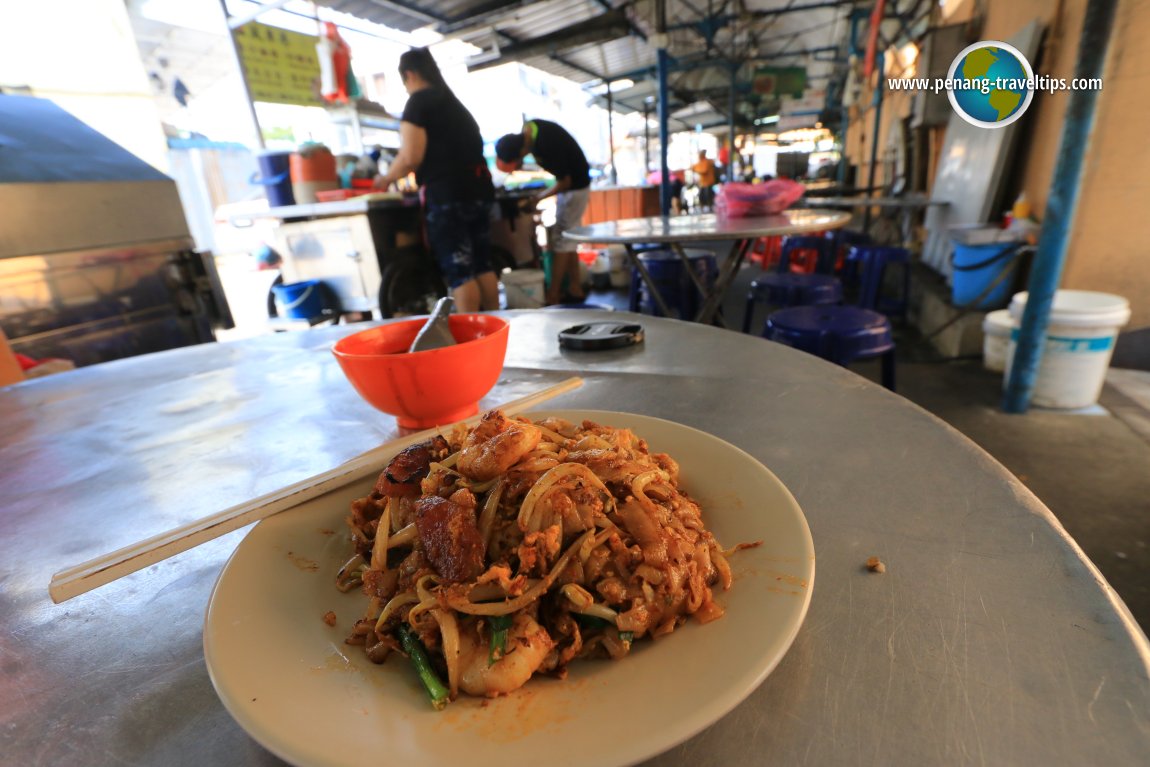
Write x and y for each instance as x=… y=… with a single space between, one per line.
x=737 y=200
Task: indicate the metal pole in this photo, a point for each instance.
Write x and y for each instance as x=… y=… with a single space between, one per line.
x=844 y=126
x=879 y=87
x=646 y=139
x=664 y=140
x=663 y=64
x=731 y=121
x=611 y=134
x=244 y=80
x=844 y=129
x=1046 y=272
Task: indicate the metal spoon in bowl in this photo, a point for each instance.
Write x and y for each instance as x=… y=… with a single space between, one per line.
x=436 y=332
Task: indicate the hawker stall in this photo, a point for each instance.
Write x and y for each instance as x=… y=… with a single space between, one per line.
x=369 y=249
x=96 y=260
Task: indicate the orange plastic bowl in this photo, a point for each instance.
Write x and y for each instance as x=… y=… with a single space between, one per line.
x=430 y=388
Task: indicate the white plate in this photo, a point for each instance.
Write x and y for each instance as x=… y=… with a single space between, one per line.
x=291 y=682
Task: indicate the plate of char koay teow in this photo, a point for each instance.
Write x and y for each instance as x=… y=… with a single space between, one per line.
x=588 y=587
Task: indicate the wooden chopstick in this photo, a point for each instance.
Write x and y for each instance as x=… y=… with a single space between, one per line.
x=102 y=570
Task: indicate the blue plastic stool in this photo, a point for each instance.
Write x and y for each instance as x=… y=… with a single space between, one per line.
x=838 y=334
x=825 y=262
x=842 y=240
x=644 y=247
x=785 y=289
x=872 y=263
x=848 y=238
x=674 y=284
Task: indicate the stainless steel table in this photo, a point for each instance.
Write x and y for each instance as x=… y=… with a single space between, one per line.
x=676 y=230
x=990 y=639
x=905 y=207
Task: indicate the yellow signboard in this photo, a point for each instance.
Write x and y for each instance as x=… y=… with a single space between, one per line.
x=280 y=66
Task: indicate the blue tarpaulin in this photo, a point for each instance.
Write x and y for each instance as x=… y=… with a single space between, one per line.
x=42 y=143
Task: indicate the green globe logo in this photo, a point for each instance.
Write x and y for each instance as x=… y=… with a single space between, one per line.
x=993 y=84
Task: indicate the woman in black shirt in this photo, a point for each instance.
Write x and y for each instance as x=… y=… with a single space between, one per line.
x=440 y=141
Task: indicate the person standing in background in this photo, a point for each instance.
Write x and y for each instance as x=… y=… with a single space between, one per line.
x=557 y=152
x=440 y=141
x=705 y=179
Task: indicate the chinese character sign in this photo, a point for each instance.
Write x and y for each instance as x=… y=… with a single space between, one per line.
x=280 y=66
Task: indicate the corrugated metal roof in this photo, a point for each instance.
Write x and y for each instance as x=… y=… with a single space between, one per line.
x=763 y=33
x=389 y=14
x=472 y=20
x=541 y=18
x=611 y=60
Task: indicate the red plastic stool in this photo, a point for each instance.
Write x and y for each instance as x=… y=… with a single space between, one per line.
x=766 y=252
x=806 y=255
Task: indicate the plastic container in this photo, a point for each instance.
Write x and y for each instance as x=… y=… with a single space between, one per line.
x=600 y=271
x=976 y=267
x=312 y=170
x=275 y=176
x=524 y=288
x=436 y=387
x=300 y=300
x=1080 y=340
x=996 y=327
x=588 y=256
x=618 y=266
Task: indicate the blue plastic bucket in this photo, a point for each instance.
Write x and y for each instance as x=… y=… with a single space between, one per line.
x=275 y=176
x=674 y=283
x=300 y=300
x=976 y=267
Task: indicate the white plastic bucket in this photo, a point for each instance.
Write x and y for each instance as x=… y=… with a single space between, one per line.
x=1079 y=343
x=619 y=268
x=523 y=288
x=996 y=327
x=602 y=264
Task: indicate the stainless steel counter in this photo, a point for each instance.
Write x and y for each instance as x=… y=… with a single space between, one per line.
x=989 y=640
x=353 y=206
x=359 y=205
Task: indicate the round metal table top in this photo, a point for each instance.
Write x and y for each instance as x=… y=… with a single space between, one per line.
x=709 y=227
x=990 y=638
x=875 y=202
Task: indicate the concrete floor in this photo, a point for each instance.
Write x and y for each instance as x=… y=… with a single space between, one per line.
x=1091 y=470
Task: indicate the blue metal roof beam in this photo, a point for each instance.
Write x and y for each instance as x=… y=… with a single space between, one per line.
x=688 y=63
